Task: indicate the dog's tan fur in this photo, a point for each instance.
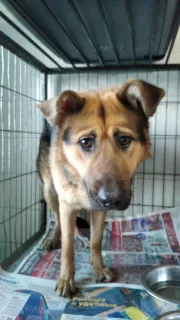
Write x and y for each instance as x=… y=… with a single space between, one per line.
x=70 y=175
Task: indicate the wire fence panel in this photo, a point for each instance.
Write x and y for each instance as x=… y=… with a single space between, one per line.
x=21 y=88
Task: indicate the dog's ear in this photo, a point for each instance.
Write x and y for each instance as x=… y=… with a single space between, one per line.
x=138 y=92
x=48 y=109
x=69 y=102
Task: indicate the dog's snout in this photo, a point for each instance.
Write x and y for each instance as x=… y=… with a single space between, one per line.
x=111 y=194
x=109 y=198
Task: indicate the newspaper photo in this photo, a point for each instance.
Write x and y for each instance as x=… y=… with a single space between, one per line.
x=112 y=302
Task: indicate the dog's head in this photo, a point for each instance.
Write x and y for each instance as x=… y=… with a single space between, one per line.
x=104 y=137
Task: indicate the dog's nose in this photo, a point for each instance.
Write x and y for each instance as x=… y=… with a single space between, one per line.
x=109 y=199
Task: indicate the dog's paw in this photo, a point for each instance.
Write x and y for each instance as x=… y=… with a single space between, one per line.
x=104 y=275
x=65 y=287
x=53 y=242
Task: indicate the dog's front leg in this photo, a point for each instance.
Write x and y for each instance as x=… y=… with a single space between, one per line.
x=103 y=274
x=65 y=283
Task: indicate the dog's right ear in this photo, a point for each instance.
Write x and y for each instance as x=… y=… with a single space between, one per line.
x=48 y=109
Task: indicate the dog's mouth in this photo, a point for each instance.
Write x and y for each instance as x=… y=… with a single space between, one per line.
x=99 y=207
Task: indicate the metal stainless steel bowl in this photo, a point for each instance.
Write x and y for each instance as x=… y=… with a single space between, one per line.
x=170 y=316
x=163 y=282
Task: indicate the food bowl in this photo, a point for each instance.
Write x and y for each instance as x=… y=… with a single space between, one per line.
x=170 y=316
x=163 y=284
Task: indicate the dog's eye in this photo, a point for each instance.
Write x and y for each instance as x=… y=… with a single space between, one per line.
x=87 y=144
x=123 y=142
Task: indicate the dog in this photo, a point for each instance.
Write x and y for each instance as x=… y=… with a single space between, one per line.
x=87 y=159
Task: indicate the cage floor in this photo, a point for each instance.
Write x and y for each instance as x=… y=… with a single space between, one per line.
x=14 y=265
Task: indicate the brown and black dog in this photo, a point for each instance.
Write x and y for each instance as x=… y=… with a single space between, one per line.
x=89 y=159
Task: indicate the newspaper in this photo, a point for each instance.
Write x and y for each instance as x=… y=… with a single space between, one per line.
x=130 y=246
x=28 y=298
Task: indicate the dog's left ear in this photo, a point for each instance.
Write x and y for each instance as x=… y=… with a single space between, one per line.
x=137 y=92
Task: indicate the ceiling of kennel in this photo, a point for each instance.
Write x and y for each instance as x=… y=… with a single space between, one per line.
x=91 y=34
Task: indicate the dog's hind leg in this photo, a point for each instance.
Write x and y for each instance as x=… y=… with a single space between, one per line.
x=103 y=274
x=50 y=195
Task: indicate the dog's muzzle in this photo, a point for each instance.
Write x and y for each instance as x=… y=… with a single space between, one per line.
x=109 y=196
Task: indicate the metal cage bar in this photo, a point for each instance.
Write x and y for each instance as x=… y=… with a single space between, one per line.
x=103 y=15
x=75 y=10
x=129 y=20
x=58 y=50
x=67 y=33
x=3 y=37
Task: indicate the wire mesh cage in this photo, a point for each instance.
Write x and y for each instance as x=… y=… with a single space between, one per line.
x=157 y=181
x=96 y=49
x=21 y=87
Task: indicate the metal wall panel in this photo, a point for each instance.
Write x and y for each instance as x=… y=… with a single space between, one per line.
x=157 y=181
x=21 y=87
x=103 y=33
